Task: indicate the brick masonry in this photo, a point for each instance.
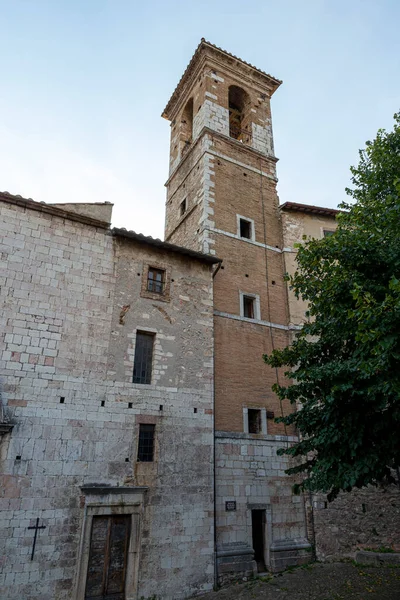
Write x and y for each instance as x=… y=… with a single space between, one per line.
x=225 y=179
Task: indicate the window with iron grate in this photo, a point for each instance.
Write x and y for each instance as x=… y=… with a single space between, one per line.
x=143 y=364
x=146 y=443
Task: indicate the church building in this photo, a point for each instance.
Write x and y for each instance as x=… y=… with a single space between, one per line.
x=138 y=442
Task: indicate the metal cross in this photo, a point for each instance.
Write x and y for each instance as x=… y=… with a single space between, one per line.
x=36 y=527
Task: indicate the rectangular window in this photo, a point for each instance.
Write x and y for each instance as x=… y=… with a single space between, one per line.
x=182 y=207
x=245 y=229
x=143 y=357
x=146 y=443
x=328 y=232
x=155 y=280
x=254 y=416
x=248 y=307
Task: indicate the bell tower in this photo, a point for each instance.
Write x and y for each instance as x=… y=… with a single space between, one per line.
x=222 y=200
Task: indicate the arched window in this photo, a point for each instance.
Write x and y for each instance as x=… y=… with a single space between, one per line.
x=239 y=110
x=186 y=125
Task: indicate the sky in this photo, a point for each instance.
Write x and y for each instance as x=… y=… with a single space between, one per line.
x=84 y=82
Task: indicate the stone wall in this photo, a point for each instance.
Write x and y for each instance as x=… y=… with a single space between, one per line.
x=366 y=518
x=250 y=473
x=72 y=301
x=295 y=225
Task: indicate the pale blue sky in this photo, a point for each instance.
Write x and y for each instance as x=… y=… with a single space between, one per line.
x=83 y=84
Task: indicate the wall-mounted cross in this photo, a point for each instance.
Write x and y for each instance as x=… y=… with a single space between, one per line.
x=36 y=527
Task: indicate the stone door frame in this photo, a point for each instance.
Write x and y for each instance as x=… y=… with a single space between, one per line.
x=112 y=501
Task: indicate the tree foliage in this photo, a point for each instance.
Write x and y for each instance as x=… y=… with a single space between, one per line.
x=347 y=357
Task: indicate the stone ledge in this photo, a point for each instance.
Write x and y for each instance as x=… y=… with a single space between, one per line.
x=104 y=488
x=377 y=558
x=288 y=545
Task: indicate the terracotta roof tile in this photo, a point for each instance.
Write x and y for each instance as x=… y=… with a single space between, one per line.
x=204 y=43
x=147 y=239
x=309 y=208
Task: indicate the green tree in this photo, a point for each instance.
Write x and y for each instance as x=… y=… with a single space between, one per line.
x=347 y=357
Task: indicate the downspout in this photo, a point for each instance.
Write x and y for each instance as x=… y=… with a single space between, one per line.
x=214 y=452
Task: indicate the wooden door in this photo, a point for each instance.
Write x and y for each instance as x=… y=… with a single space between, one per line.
x=108 y=556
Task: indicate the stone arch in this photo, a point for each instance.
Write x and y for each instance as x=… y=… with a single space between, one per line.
x=239 y=113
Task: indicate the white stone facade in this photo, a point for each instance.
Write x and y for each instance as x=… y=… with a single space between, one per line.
x=211 y=115
x=66 y=387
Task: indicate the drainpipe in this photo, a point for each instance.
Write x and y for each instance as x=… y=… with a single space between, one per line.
x=214 y=452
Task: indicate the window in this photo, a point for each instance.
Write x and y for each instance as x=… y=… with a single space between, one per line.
x=155 y=280
x=255 y=420
x=254 y=416
x=328 y=232
x=143 y=357
x=182 y=207
x=146 y=443
x=248 y=307
x=245 y=229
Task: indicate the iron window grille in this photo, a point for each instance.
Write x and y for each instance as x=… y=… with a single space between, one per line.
x=156 y=280
x=146 y=443
x=143 y=357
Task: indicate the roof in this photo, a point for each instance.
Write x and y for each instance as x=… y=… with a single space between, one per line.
x=51 y=209
x=308 y=208
x=190 y=68
x=155 y=242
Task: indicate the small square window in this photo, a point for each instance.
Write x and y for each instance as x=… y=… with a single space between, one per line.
x=254 y=416
x=183 y=207
x=155 y=280
x=245 y=229
x=328 y=232
x=248 y=307
x=146 y=443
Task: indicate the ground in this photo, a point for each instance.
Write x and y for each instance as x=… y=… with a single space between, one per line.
x=332 y=581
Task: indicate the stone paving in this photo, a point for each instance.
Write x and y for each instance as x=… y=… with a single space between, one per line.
x=329 y=581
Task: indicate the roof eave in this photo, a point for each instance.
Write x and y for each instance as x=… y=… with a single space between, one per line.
x=157 y=243
x=310 y=209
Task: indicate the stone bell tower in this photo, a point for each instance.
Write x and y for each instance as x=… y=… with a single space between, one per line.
x=222 y=200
